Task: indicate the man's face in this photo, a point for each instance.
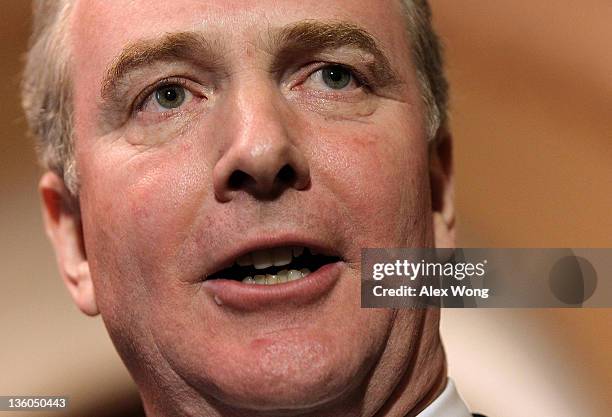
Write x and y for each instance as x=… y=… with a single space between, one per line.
x=230 y=127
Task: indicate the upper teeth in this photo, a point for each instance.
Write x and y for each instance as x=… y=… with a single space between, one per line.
x=262 y=259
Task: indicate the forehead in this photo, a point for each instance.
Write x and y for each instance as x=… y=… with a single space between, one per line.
x=100 y=29
x=120 y=19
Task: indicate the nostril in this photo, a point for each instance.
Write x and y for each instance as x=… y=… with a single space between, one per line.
x=287 y=174
x=265 y=184
x=238 y=180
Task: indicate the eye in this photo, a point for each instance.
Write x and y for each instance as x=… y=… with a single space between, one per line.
x=165 y=98
x=333 y=77
x=170 y=96
x=336 y=77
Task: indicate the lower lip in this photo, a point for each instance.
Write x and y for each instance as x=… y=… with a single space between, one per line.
x=236 y=295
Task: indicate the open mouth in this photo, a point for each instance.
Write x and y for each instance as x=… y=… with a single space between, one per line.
x=274 y=266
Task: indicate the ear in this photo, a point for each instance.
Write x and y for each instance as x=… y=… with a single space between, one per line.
x=442 y=189
x=62 y=218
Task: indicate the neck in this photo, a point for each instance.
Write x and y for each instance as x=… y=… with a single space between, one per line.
x=424 y=376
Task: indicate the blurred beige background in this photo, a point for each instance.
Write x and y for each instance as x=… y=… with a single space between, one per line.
x=532 y=118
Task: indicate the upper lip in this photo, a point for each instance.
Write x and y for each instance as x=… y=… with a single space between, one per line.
x=230 y=256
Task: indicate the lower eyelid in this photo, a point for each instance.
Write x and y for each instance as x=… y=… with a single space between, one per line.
x=153 y=117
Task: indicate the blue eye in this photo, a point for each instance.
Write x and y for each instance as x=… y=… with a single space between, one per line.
x=336 y=77
x=170 y=96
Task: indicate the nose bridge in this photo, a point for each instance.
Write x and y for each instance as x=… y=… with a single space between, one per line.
x=261 y=124
x=261 y=157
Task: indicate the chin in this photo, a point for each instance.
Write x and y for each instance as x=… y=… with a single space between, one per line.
x=301 y=369
x=284 y=373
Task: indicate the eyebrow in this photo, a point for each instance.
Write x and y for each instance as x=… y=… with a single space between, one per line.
x=296 y=39
x=176 y=46
x=312 y=36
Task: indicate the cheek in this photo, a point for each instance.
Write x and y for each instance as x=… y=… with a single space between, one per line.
x=162 y=195
x=380 y=176
x=138 y=209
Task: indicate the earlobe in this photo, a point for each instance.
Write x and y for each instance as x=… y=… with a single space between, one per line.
x=63 y=226
x=83 y=291
x=442 y=190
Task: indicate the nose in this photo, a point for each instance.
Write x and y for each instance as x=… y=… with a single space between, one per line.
x=262 y=158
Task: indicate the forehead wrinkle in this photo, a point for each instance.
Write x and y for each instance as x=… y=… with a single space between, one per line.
x=186 y=46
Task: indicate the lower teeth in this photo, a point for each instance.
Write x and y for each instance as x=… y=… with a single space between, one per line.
x=280 y=278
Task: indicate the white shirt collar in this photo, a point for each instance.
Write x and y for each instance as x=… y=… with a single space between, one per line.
x=448 y=404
